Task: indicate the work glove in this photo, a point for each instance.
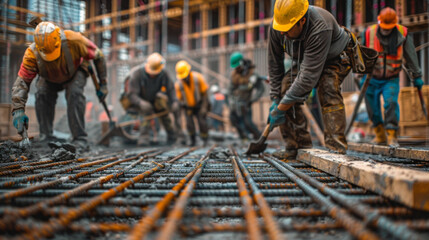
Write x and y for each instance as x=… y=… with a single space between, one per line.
x=276 y=118
x=20 y=120
x=102 y=91
x=273 y=106
x=418 y=83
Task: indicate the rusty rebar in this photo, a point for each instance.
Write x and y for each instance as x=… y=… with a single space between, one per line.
x=144 y=226
x=272 y=227
x=253 y=229
x=372 y=217
x=354 y=226
x=24 y=191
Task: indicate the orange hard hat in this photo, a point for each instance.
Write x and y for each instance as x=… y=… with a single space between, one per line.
x=47 y=37
x=387 y=19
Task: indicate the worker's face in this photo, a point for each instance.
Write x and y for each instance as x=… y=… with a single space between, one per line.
x=296 y=30
x=385 y=32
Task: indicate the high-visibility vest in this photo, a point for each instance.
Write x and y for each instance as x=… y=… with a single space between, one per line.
x=387 y=65
x=65 y=51
x=187 y=98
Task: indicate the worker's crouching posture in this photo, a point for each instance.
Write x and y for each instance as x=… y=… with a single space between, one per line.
x=313 y=38
x=152 y=91
x=192 y=92
x=60 y=58
x=246 y=87
x=394 y=44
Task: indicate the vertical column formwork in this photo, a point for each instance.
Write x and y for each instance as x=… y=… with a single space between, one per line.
x=204 y=39
x=132 y=50
x=359 y=12
x=151 y=28
x=185 y=27
x=222 y=44
x=250 y=13
x=164 y=28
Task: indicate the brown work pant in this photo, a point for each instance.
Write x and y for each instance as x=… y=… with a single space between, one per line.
x=294 y=130
x=201 y=117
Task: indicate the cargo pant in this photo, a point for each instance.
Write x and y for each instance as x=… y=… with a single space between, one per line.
x=46 y=99
x=294 y=130
x=160 y=105
x=241 y=119
x=190 y=113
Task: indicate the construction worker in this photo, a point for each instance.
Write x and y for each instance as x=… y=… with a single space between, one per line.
x=217 y=102
x=394 y=44
x=60 y=58
x=246 y=87
x=319 y=47
x=152 y=91
x=192 y=92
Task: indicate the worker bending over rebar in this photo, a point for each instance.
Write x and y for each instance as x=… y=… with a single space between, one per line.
x=60 y=58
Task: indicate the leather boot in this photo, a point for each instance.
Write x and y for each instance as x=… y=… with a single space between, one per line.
x=288 y=154
x=392 y=138
x=193 y=141
x=380 y=135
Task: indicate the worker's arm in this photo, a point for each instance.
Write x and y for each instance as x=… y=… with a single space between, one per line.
x=276 y=68
x=314 y=59
x=411 y=60
x=26 y=74
x=135 y=92
x=258 y=86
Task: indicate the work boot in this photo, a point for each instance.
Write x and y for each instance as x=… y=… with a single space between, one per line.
x=392 y=138
x=288 y=154
x=193 y=141
x=380 y=135
x=80 y=144
x=171 y=138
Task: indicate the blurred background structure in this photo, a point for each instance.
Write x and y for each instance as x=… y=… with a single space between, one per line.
x=204 y=32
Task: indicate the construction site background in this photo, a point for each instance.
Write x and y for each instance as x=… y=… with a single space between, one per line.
x=204 y=33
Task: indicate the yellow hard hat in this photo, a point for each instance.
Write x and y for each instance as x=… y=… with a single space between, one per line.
x=47 y=37
x=182 y=69
x=154 y=64
x=287 y=13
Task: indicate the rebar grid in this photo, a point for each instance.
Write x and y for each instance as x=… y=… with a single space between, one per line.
x=191 y=194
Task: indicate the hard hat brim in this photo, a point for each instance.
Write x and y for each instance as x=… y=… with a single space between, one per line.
x=153 y=72
x=235 y=64
x=283 y=27
x=387 y=25
x=181 y=76
x=52 y=55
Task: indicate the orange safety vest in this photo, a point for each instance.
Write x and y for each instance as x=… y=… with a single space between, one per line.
x=191 y=94
x=387 y=65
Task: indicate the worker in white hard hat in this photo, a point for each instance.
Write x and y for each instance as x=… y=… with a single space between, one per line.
x=320 y=48
x=151 y=90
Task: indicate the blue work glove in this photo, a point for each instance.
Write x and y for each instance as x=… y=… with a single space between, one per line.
x=102 y=92
x=273 y=106
x=20 y=120
x=418 y=83
x=277 y=117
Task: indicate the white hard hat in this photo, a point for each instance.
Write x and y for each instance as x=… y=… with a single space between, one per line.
x=214 y=89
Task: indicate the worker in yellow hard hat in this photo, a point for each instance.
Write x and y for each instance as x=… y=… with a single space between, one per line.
x=394 y=45
x=319 y=48
x=151 y=90
x=60 y=58
x=192 y=92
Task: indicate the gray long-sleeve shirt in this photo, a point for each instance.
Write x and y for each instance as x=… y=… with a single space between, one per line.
x=142 y=87
x=321 y=39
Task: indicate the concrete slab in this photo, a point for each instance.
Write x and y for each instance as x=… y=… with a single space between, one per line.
x=409 y=187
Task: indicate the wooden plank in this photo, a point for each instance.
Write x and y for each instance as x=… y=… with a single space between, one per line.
x=401 y=152
x=409 y=187
x=20 y=9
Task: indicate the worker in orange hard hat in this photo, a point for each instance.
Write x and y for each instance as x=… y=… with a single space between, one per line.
x=150 y=91
x=394 y=45
x=192 y=92
x=319 y=49
x=60 y=58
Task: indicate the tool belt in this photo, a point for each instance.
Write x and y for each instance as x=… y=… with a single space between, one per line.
x=362 y=58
